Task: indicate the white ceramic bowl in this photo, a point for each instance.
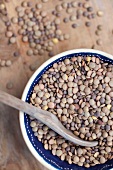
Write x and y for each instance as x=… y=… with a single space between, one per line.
x=43 y=156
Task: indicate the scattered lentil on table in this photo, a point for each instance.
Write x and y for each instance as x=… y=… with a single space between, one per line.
x=9 y=85
x=37 y=28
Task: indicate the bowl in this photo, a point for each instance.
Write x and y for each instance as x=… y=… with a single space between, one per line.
x=45 y=157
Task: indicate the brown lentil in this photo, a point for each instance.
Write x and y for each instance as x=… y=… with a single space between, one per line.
x=82 y=98
x=88 y=24
x=12 y=40
x=100 y=13
x=9 y=85
x=99 y=42
x=73 y=97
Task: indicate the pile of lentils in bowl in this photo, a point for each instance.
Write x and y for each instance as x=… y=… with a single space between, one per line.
x=79 y=91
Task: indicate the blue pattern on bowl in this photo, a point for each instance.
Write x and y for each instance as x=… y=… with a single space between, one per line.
x=38 y=146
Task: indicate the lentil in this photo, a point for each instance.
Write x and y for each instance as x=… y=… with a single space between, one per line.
x=73 y=92
x=12 y=40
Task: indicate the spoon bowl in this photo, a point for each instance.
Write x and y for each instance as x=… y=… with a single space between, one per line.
x=35 y=146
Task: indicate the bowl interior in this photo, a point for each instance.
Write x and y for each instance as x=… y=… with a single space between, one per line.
x=46 y=155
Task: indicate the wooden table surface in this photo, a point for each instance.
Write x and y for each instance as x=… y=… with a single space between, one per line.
x=14 y=154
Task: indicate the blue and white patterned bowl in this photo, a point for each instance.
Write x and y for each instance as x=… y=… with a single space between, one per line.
x=45 y=157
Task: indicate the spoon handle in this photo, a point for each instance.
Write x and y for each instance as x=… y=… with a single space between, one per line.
x=24 y=106
x=44 y=116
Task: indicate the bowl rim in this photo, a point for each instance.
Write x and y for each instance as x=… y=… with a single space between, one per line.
x=26 y=89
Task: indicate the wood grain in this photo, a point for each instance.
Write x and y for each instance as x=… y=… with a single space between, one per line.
x=14 y=154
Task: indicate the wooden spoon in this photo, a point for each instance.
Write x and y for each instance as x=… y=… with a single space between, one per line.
x=44 y=116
